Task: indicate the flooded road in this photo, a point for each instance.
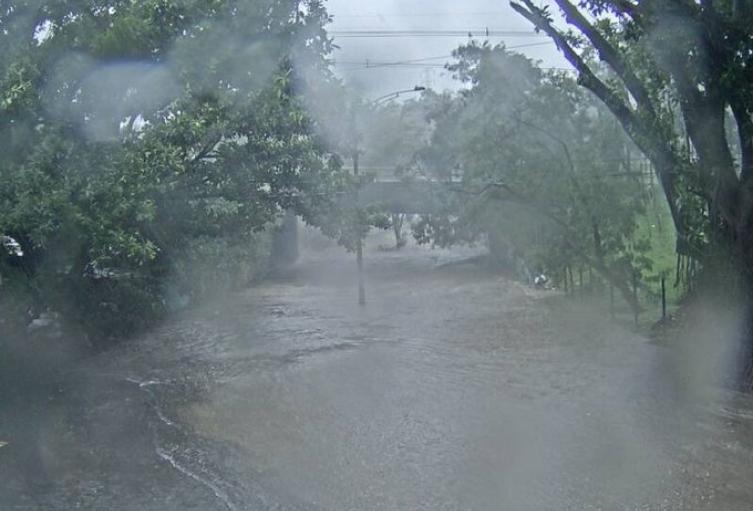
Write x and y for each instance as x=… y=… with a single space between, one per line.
x=453 y=389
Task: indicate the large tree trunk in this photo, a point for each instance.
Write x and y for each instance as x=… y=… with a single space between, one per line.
x=726 y=284
x=744 y=268
x=700 y=47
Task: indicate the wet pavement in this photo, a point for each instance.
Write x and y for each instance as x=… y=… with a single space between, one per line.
x=452 y=389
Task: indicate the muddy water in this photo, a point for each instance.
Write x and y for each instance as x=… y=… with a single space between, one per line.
x=452 y=389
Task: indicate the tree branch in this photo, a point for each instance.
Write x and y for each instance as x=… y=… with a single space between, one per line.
x=583 y=197
x=744 y=123
x=609 y=54
x=206 y=150
x=645 y=135
x=543 y=209
x=627 y=8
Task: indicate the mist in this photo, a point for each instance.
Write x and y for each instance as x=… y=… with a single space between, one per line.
x=375 y=255
x=377 y=64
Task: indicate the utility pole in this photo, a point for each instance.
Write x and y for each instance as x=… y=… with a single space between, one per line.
x=359 y=240
x=356 y=174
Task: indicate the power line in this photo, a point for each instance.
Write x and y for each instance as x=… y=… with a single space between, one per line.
x=425 y=59
x=483 y=32
x=421 y=15
x=377 y=63
x=434 y=66
x=396 y=66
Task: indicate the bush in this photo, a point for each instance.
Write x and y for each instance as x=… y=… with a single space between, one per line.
x=216 y=265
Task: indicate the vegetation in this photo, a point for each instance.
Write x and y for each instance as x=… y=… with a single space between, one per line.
x=546 y=174
x=147 y=147
x=389 y=144
x=138 y=136
x=680 y=85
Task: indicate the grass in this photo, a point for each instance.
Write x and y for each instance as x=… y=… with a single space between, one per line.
x=656 y=226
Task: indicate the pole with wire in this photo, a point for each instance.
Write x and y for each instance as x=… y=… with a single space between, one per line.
x=359 y=239
x=356 y=174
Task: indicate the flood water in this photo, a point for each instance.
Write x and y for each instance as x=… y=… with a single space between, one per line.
x=454 y=388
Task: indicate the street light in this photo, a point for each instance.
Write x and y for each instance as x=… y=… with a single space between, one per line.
x=396 y=94
x=359 y=241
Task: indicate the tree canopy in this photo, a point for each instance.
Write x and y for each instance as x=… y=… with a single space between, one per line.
x=545 y=172
x=681 y=85
x=128 y=129
x=668 y=58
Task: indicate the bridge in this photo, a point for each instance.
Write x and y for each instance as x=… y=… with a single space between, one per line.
x=382 y=186
x=411 y=197
x=393 y=196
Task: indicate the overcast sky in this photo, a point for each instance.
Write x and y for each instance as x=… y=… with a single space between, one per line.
x=361 y=59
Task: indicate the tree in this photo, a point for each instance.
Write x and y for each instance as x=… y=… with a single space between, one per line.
x=390 y=140
x=545 y=172
x=130 y=129
x=695 y=57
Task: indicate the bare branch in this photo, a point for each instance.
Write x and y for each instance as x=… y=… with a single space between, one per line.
x=609 y=54
x=586 y=76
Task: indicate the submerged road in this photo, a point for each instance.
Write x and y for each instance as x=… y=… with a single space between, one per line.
x=453 y=389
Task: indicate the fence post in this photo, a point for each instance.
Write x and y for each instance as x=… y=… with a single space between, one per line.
x=635 y=296
x=663 y=299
